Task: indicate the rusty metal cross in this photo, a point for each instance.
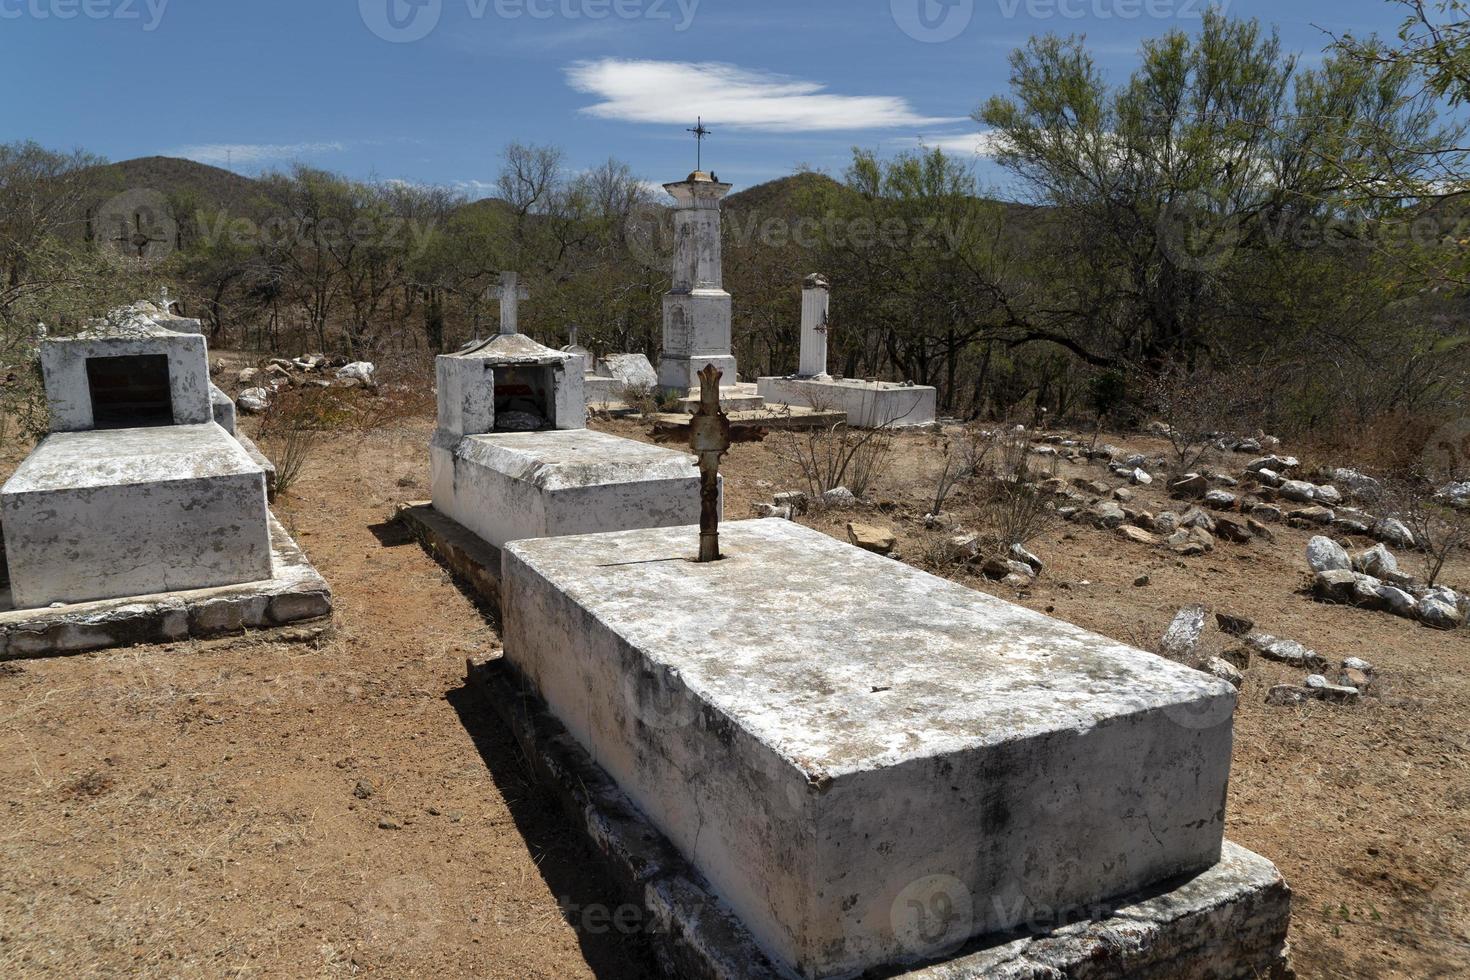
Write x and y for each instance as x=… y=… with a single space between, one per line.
x=709 y=437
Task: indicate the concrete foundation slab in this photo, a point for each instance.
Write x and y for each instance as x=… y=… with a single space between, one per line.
x=294 y=593
x=868 y=404
x=127 y=512
x=1227 y=923
x=510 y=486
x=834 y=739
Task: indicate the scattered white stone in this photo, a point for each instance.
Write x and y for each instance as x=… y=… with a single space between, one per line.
x=254 y=400
x=1436 y=612
x=839 y=497
x=1140 y=477
x=1395 y=532
x=1357 y=484
x=360 y=371
x=1328 y=495
x=773 y=511
x=1398 y=602
x=1299 y=490
x=1325 y=555
x=1277 y=463
x=1221 y=499
x=1288 y=652
x=1377 y=561
x=1020 y=554
x=1181 y=639
x=1224 y=670
x=1455 y=494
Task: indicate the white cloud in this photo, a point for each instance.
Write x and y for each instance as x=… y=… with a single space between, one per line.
x=220 y=154
x=983 y=144
x=733 y=97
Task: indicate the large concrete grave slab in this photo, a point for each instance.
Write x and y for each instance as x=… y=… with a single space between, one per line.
x=868 y=404
x=834 y=739
x=294 y=594
x=510 y=486
x=126 y=512
x=1227 y=923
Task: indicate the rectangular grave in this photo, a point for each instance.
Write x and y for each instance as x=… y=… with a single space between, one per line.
x=509 y=486
x=868 y=764
x=104 y=514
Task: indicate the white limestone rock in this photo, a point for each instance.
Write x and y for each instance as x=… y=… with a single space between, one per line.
x=1299 y=490
x=1393 y=531
x=1181 y=639
x=254 y=401
x=1325 y=555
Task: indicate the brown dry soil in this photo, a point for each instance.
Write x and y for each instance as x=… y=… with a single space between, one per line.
x=247 y=808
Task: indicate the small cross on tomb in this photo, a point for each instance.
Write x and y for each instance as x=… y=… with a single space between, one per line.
x=510 y=292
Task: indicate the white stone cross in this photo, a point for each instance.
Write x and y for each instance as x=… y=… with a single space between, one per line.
x=510 y=293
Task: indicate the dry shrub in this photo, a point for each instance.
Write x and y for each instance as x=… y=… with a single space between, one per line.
x=1392 y=444
x=1014 y=512
x=828 y=457
x=1198 y=405
x=966 y=455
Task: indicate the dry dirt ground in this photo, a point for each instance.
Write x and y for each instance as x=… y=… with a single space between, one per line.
x=244 y=808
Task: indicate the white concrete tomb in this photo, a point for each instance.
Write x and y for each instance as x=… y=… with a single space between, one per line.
x=544 y=474
x=134 y=512
x=868 y=404
x=835 y=739
x=136 y=491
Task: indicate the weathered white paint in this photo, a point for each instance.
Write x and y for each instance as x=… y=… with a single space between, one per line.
x=64 y=367
x=466 y=384
x=868 y=404
x=820 y=730
x=129 y=512
x=816 y=305
x=697 y=310
x=510 y=486
x=223 y=409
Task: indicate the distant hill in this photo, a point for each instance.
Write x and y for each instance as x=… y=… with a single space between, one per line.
x=779 y=196
x=171 y=176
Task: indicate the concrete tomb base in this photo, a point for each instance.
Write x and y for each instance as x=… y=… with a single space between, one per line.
x=733 y=398
x=294 y=593
x=868 y=404
x=510 y=486
x=1227 y=923
x=839 y=743
x=104 y=514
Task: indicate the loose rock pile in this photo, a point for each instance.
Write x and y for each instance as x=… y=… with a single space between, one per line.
x=1372 y=580
x=261 y=384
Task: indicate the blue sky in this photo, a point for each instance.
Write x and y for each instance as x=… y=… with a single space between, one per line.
x=431 y=90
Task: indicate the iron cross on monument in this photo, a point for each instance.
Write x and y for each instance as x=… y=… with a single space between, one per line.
x=709 y=437
x=699 y=134
x=510 y=292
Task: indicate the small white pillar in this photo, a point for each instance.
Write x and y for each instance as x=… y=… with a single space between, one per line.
x=816 y=304
x=511 y=292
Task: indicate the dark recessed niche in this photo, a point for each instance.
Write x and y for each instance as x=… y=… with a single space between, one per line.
x=130 y=392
